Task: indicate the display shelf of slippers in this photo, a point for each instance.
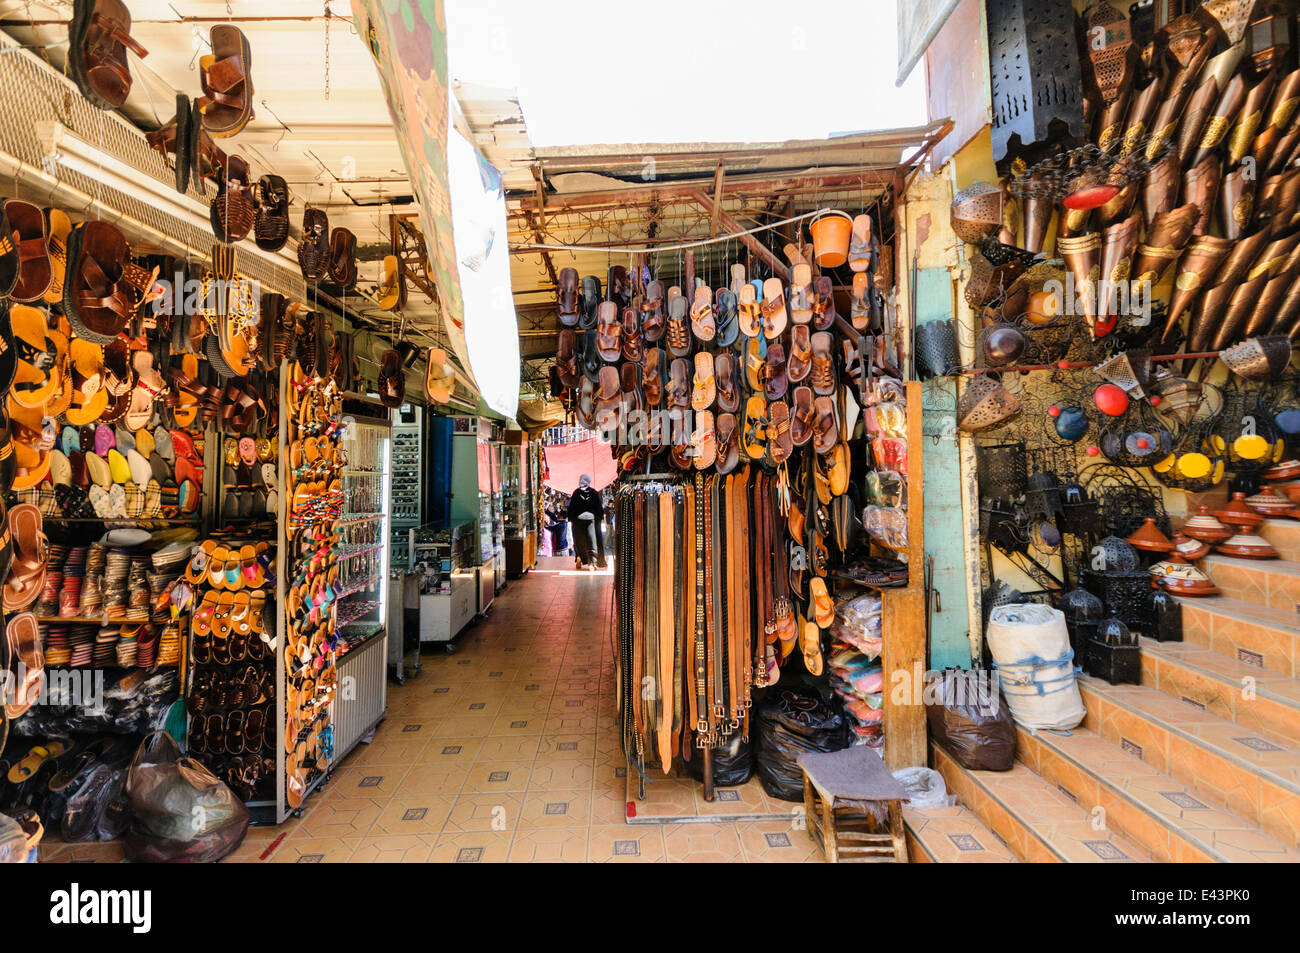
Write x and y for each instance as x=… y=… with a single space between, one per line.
x=227 y=592
x=310 y=535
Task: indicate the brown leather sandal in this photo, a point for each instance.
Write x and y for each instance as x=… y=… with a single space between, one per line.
x=227 y=102
x=724 y=368
x=99 y=35
x=800 y=363
x=27 y=225
x=96 y=300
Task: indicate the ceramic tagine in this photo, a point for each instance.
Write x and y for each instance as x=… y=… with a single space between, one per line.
x=1248 y=545
x=1268 y=502
x=1238 y=513
x=1183 y=579
x=1206 y=527
x=1148 y=538
x=1286 y=470
x=1188 y=549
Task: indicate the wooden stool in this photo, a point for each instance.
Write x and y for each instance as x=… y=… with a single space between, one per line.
x=853 y=806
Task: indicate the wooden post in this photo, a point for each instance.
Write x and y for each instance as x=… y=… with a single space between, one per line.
x=778 y=267
x=903 y=656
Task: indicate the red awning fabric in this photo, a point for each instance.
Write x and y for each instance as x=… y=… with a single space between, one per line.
x=568 y=461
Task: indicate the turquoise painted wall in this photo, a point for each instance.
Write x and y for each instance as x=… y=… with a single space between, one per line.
x=945 y=530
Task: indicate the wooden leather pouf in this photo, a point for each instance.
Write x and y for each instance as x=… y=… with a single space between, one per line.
x=854 y=807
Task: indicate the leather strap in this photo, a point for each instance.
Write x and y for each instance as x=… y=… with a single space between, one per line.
x=700 y=707
x=666 y=629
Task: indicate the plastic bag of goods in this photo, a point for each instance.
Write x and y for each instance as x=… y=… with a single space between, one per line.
x=793 y=721
x=925 y=787
x=969 y=720
x=858 y=623
x=733 y=763
x=1031 y=651
x=179 y=809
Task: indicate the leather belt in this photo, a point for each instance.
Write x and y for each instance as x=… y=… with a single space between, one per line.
x=702 y=605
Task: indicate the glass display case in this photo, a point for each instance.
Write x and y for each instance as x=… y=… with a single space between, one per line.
x=363 y=532
x=519 y=512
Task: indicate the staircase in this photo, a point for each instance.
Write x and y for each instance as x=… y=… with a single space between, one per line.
x=1200 y=762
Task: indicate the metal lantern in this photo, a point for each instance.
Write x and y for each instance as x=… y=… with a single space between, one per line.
x=1036 y=75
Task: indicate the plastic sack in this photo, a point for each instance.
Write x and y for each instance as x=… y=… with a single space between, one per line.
x=925 y=787
x=733 y=763
x=792 y=721
x=968 y=720
x=179 y=809
x=857 y=623
x=84 y=816
x=886 y=525
x=13 y=842
x=1030 y=645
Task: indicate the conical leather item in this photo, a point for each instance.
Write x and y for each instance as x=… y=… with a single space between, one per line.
x=1207 y=316
x=1287 y=319
x=1120 y=206
x=1210 y=87
x=1215 y=131
x=1167 y=236
x=1274 y=258
x=1073 y=221
x=1241 y=257
x=1118 y=243
x=1161 y=188
x=1139 y=116
x=1275 y=201
x=1285 y=151
x=1201 y=188
x=1082 y=255
x=1110 y=123
x=1242 y=302
x=1236 y=201
x=1248 y=120
x=1268 y=307
x=1195 y=271
x=1170 y=111
x=1277 y=118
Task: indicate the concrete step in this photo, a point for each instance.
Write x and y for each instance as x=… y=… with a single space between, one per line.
x=1245 y=631
x=1274 y=583
x=1284 y=534
x=1033 y=818
x=1251 y=775
x=1263 y=701
x=1160 y=814
x=951 y=835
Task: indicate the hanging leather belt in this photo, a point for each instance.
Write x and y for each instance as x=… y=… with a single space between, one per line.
x=703 y=605
x=715 y=565
x=680 y=617
x=638 y=593
x=690 y=610
x=666 y=627
x=650 y=627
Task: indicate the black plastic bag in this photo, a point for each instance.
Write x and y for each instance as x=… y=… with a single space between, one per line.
x=791 y=721
x=733 y=763
x=84 y=818
x=970 y=720
x=179 y=809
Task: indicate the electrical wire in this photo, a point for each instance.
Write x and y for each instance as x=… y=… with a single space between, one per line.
x=538 y=246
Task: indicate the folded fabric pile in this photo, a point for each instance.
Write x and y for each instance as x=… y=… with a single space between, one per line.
x=855 y=672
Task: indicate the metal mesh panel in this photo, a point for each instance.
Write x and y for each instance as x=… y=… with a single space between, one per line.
x=32 y=93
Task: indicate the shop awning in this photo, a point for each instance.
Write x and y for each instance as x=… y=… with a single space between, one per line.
x=409 y=45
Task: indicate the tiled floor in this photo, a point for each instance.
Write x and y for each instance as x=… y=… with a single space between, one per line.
x=507 y=751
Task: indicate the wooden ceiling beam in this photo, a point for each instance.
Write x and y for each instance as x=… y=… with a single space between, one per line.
x=737 y=186
x=749 y=241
